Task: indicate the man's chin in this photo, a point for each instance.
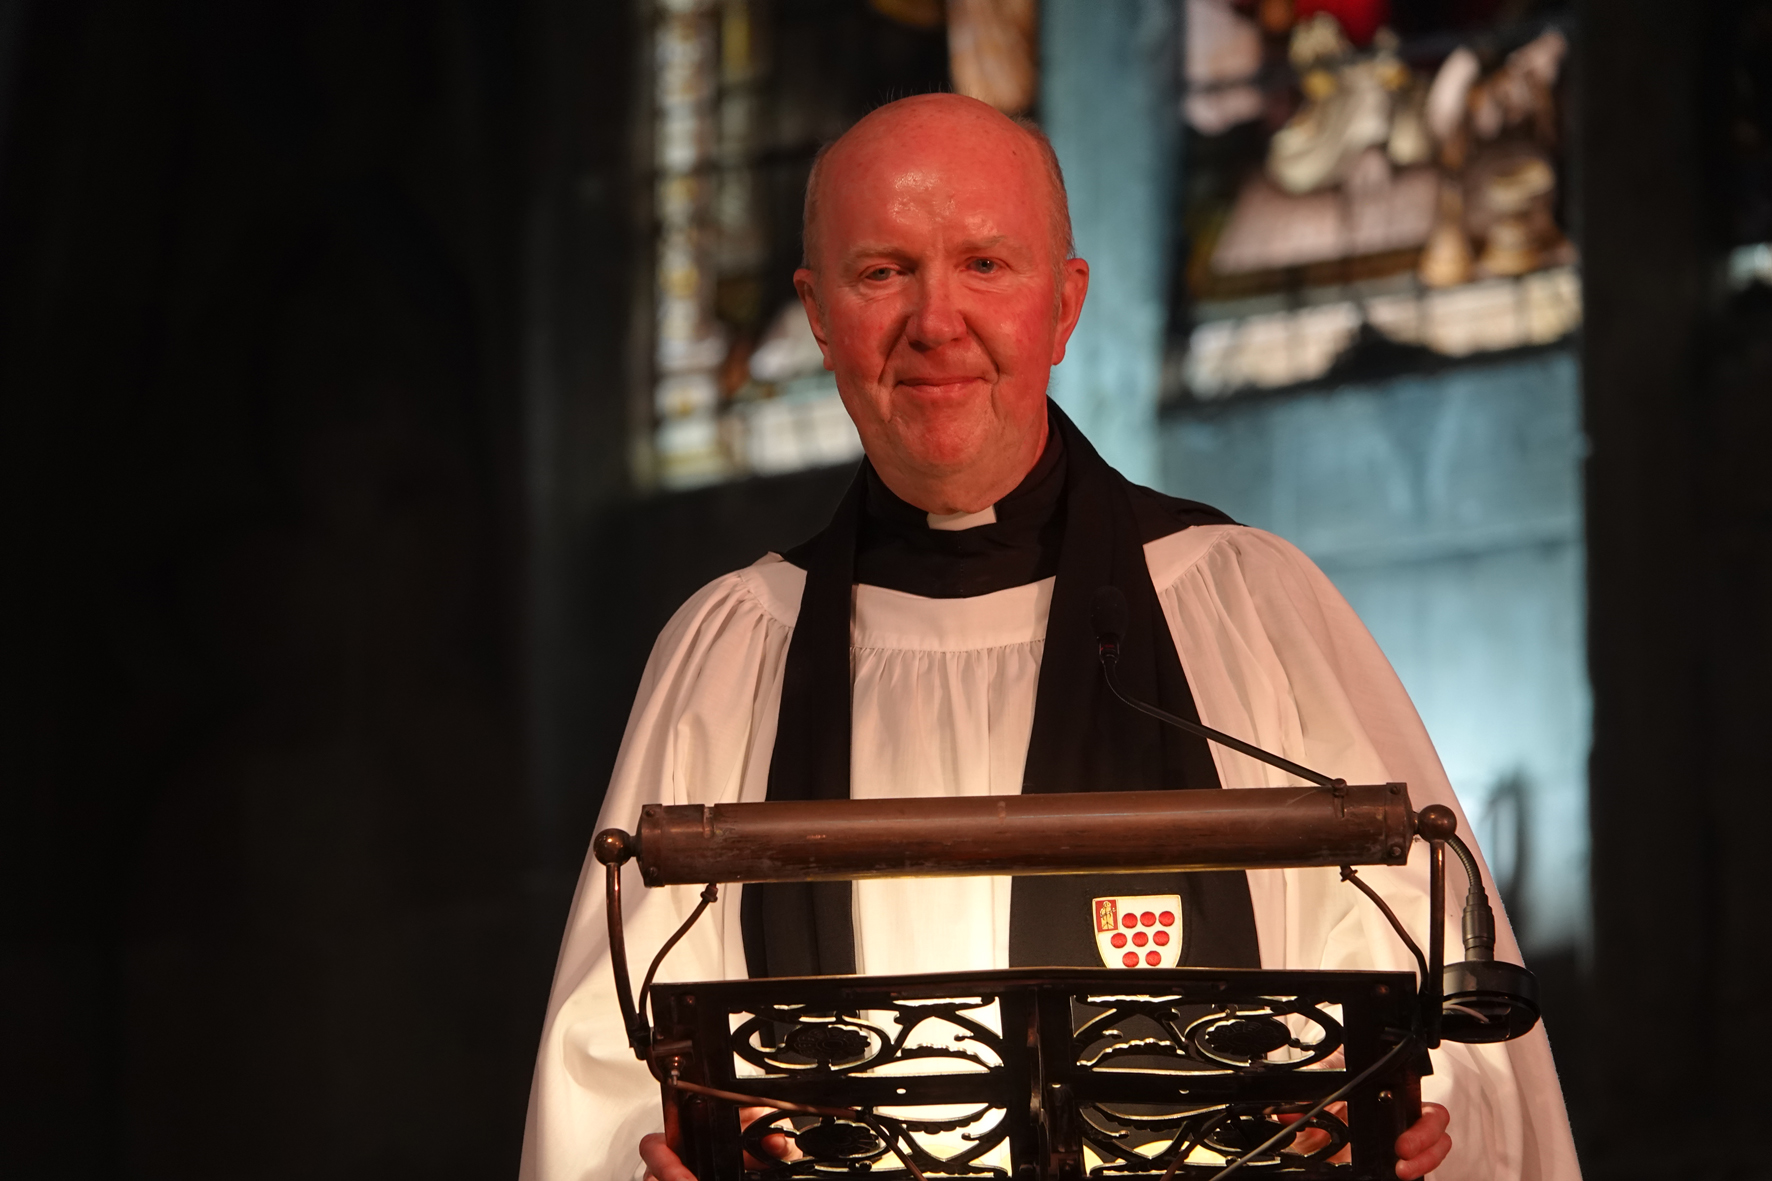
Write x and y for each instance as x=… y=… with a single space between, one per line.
x=949 y=448
x=947 y=434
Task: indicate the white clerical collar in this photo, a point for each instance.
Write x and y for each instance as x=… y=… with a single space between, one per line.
x=956 y=521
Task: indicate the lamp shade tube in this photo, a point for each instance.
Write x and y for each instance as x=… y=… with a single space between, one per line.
x=1095 y=832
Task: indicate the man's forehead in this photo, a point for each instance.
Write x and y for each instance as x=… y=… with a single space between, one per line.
x=911 y=190
x=902 y=223
x=869 y=246
x=937 y=158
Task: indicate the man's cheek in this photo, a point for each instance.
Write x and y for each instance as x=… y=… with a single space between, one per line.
x=863 y=340
x=1014 y=335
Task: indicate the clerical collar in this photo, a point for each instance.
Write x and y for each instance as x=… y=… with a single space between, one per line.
x=954 y=522
x=899 y=550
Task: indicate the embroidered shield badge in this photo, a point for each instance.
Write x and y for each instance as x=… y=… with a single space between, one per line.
x=1140 y=931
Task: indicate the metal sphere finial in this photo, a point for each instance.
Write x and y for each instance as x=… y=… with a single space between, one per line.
x=1436 y=822
x=613 y=846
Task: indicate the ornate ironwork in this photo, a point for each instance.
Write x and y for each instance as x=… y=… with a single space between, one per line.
x=1039 y=1074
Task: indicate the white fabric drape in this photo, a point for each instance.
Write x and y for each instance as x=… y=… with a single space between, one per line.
x=943 y=699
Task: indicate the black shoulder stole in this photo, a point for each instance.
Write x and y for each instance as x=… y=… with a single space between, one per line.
x=1083 y=739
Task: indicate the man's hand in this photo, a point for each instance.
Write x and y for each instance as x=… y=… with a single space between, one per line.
x=664 y=1165
x=661 y=1163
x=1420 y=1150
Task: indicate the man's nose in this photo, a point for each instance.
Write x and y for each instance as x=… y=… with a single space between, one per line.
x=935 y=318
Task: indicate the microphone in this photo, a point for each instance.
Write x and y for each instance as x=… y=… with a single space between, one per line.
x=1486 y=999
x=1108 y=617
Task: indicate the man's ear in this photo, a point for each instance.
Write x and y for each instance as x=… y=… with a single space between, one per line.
x=804 y=285
x=1073 y=287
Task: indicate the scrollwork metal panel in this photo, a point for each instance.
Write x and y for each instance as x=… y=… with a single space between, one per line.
x=1036 y=1075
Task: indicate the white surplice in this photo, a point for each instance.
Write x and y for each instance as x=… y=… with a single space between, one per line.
x=943 y=706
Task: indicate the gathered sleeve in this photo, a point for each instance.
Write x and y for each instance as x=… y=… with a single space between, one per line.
x=701 y=732
x=1275 y=655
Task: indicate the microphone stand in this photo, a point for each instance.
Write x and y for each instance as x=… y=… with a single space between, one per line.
x=1489 y=1000
x=1110 y=658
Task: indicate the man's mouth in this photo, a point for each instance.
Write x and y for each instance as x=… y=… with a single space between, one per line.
x=941 y=385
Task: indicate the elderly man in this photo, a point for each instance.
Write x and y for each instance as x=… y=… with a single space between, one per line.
x=934 y=640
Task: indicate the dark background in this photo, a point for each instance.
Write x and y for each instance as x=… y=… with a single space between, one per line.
x=325 y=592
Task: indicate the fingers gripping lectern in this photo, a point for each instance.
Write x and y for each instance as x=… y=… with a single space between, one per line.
x=1158 y=1072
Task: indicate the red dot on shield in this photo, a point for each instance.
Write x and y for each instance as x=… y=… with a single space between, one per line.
x=1167 y=918
x=1119 y=939
x=1149 y=919
x=1161 y=939
x=1152 y=958
x=1129 y=921
x=1130 y=959
x=1139 y=939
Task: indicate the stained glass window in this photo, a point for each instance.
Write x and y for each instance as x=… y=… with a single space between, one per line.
x=1358 y=171
x=745 y=91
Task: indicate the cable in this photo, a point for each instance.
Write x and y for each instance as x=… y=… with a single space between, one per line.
x=1394 y=1052
x=850 y=1113
x=891 y=1139
x=1198 y=1139
x=709 y=893
x=1348 y=875
x=742 y=1100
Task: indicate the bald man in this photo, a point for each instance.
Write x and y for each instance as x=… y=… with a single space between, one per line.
x=934 y=640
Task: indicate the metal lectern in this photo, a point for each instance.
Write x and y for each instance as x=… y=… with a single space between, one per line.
x=1146 y=1074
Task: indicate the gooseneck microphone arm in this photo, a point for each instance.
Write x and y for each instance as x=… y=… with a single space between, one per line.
x=1492 y=1001
x=1108 y=617
x=1479 y=916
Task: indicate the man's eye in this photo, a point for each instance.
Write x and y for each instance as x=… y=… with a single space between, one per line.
x=985 y=266
x=878 y=274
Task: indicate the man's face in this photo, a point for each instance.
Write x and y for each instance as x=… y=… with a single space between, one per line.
x=939 y=299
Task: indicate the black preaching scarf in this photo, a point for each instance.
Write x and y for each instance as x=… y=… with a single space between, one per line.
x=1073 y=516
